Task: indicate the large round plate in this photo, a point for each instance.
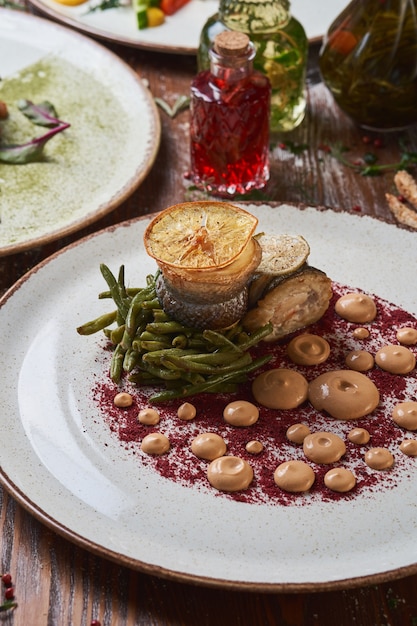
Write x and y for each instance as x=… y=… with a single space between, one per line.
x=66 y=196
x=59 y=460
x=180 y=33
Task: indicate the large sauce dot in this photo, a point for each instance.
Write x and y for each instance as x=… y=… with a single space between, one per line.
x=356 y=307
x=395 y=359
x=280 y=388
x=241 y=413
x=229 y=473
x=294 y=476
x=343 y=394
x=308 y=349
x=379 y=458
x=155 y=443
x=208 y=446
x=340 y=479
x=405 y=415
x=323 y=447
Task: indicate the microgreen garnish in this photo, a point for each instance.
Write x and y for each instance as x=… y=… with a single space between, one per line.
x=181 y=103
x=42 y=114
x=104 y=5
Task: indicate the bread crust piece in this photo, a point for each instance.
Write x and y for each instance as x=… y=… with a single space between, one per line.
x=403 y=213
x=406 y=186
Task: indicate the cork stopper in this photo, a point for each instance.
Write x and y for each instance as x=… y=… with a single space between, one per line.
x=231 y=43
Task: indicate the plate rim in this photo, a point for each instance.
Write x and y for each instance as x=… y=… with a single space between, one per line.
x=141 y=171
x=94 y=31
x=56 y=15
x=151 y=569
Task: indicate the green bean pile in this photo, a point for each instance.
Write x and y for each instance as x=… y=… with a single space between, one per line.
x=153 y=349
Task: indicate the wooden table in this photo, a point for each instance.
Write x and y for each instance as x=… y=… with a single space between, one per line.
x=60 y=584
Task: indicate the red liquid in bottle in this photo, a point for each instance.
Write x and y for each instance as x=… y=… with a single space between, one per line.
x=230 y=130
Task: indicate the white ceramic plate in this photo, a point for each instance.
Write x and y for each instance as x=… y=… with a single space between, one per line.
x=106 y=161
x=59 y=460
x=180 y=33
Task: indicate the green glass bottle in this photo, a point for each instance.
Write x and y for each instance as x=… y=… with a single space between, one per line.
x=281 y=52
x=369 y=62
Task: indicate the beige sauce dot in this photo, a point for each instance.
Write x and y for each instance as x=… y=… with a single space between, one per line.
x=361 y=333
x=229 y=473
x=360 y=436
x=379 y=458
x=148 y=416
x=280 y=389
x=208 y=446
x=340 y=479
x=296 y=433
x=407 y=336
x=359 y=360
x=294 y=476
x=186 y=411
x=343 y=394
x=356 y=307
x=254 y=447
x=155 y=443
x=123 y=399
x=307 y=349
x=409 y=447
x=395 y=359
x=323 y=447
x=405 y=415
x=241 y=413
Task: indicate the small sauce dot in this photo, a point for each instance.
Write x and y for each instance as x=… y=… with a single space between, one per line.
x=359 y=360
x=254 y=447
x=407 y=336
x=379 y=458
x=186 y=411
x=148 y=416
x=296 y=433
x=123 y=399
x=409 y=447
x=361 y=333
x=155 y=443
x=360 y=436
x=340 y=479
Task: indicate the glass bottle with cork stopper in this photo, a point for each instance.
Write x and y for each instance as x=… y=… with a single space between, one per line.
x=281 y=52
x=369 y=62
x=229 y=120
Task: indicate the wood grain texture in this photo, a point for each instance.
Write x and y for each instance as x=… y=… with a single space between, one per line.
x=59 y=584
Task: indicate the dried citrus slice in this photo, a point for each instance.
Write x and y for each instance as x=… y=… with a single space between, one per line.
x=199 y=235
x=282 y=254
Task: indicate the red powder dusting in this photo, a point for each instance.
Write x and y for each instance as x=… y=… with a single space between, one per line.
x=180 y=465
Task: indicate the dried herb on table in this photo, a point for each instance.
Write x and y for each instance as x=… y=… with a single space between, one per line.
x=368 y=165
x=181 y=103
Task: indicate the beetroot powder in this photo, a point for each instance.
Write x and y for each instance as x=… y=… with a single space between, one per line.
x=179 y=464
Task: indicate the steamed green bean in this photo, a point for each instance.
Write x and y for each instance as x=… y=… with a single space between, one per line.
x=153 y=349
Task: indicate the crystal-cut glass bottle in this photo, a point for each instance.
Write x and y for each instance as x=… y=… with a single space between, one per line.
x=281 y=52
x=369 y=62
x=229 y=120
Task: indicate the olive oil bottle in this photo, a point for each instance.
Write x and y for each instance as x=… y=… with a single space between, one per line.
x=281 y=48
x=369 y=62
